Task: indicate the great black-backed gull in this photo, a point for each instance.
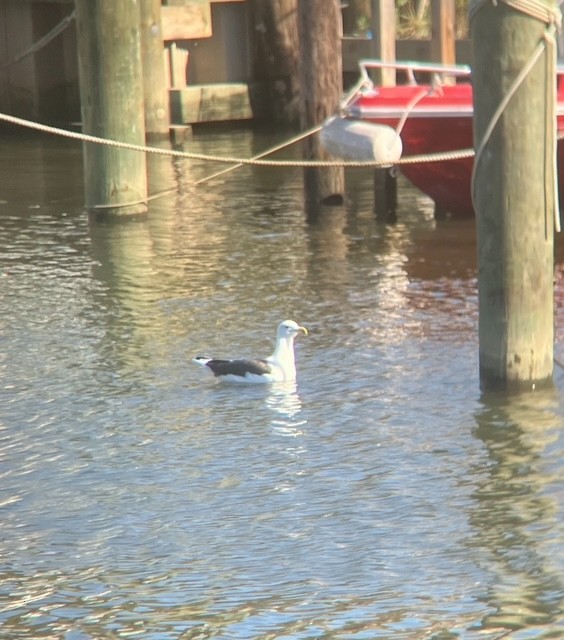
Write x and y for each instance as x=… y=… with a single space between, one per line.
x=279 y=367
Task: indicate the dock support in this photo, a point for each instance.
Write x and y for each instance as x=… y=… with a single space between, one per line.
x=383 y=28
x=277 y=57
x=157 y=100
x=386 y=195
x=111 y=90
x=443 y=40
x=514 y=199
x=321 y=87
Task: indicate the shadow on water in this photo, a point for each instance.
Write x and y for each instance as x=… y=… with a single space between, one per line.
x=517 y=515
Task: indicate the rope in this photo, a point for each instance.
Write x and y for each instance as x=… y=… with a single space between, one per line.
x=133 y=203
x=256 y=161
x=213 y=175
x=553 y=19
x=42 y=42
x=533 y=8
x=412 y=104
x=261 y=155
x=551 y=145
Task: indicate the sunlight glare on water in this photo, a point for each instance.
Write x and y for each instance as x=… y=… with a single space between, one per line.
x=379 y=496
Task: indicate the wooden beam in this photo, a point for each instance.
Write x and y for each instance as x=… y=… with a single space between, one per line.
x=214 y=103
x=383 y=27
x=443 y=45
x=186 y=22
x=157 y=108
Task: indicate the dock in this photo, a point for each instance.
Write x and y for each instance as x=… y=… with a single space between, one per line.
x=209 y=55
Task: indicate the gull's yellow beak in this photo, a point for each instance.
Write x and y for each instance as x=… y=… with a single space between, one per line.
x=303 y=330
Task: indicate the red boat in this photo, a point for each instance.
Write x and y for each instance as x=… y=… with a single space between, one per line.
x=433 y=117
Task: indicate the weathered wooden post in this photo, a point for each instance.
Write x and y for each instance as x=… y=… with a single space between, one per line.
x=276 y=35
x=443 y=42
x=319 y=28
x=111 y=90
x=157 y=101
x=383 y=28
x=514 y=195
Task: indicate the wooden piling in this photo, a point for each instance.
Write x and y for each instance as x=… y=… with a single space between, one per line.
x=383 y=28
x=156 y=94
x=111 y=89
x=278 y=56
x=319 y=28
x=514 y=200
x=386 y=195
x=443 y=42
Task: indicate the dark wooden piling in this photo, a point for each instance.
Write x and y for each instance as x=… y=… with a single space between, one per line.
x=321 y=87
x=383 y=47
x=111 y=88
x=156 y=94
x=386 y=195
x=514 y=200
x=278 y=57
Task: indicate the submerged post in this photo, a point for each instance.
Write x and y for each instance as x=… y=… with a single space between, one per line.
x=321 y=86
x=514 y=192
x=111 y=90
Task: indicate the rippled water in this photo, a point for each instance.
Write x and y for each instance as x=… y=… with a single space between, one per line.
x=382 y=496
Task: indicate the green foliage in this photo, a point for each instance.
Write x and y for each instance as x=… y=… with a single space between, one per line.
x=413 y=18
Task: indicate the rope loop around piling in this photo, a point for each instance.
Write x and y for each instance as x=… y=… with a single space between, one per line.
x=552 y=19
x=532 y=8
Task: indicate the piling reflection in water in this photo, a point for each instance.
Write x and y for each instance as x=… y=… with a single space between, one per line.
x=518 y=513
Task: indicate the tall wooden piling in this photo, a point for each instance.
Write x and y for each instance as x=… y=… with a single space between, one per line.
x=111 y=90
x=321 y=87
x=156 y=94
x=514 y=199
x=277 y=57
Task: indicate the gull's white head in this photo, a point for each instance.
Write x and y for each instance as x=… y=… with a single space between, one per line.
x=290 y=329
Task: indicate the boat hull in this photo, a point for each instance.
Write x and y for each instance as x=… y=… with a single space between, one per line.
x=430 y=121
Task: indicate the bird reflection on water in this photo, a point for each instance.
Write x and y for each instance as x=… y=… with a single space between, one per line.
x=284 y=401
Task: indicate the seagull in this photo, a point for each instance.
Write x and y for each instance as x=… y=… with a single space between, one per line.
x=279 y=367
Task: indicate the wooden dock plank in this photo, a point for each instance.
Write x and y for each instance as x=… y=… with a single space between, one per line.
x=214 y=103
x=192 y=20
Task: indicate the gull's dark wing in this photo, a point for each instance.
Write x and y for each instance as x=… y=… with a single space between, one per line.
x=239 y=367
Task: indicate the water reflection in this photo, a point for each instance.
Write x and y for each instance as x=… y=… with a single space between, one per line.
x=518 y=510
x=283 y=400
x=124 y=264
x=371 y=500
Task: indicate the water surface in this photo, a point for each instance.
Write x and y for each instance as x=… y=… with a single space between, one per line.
x=380 y=496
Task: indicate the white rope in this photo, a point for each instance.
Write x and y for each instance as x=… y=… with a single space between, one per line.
x=279 y=147
x=412 y=104
x=256 y=161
